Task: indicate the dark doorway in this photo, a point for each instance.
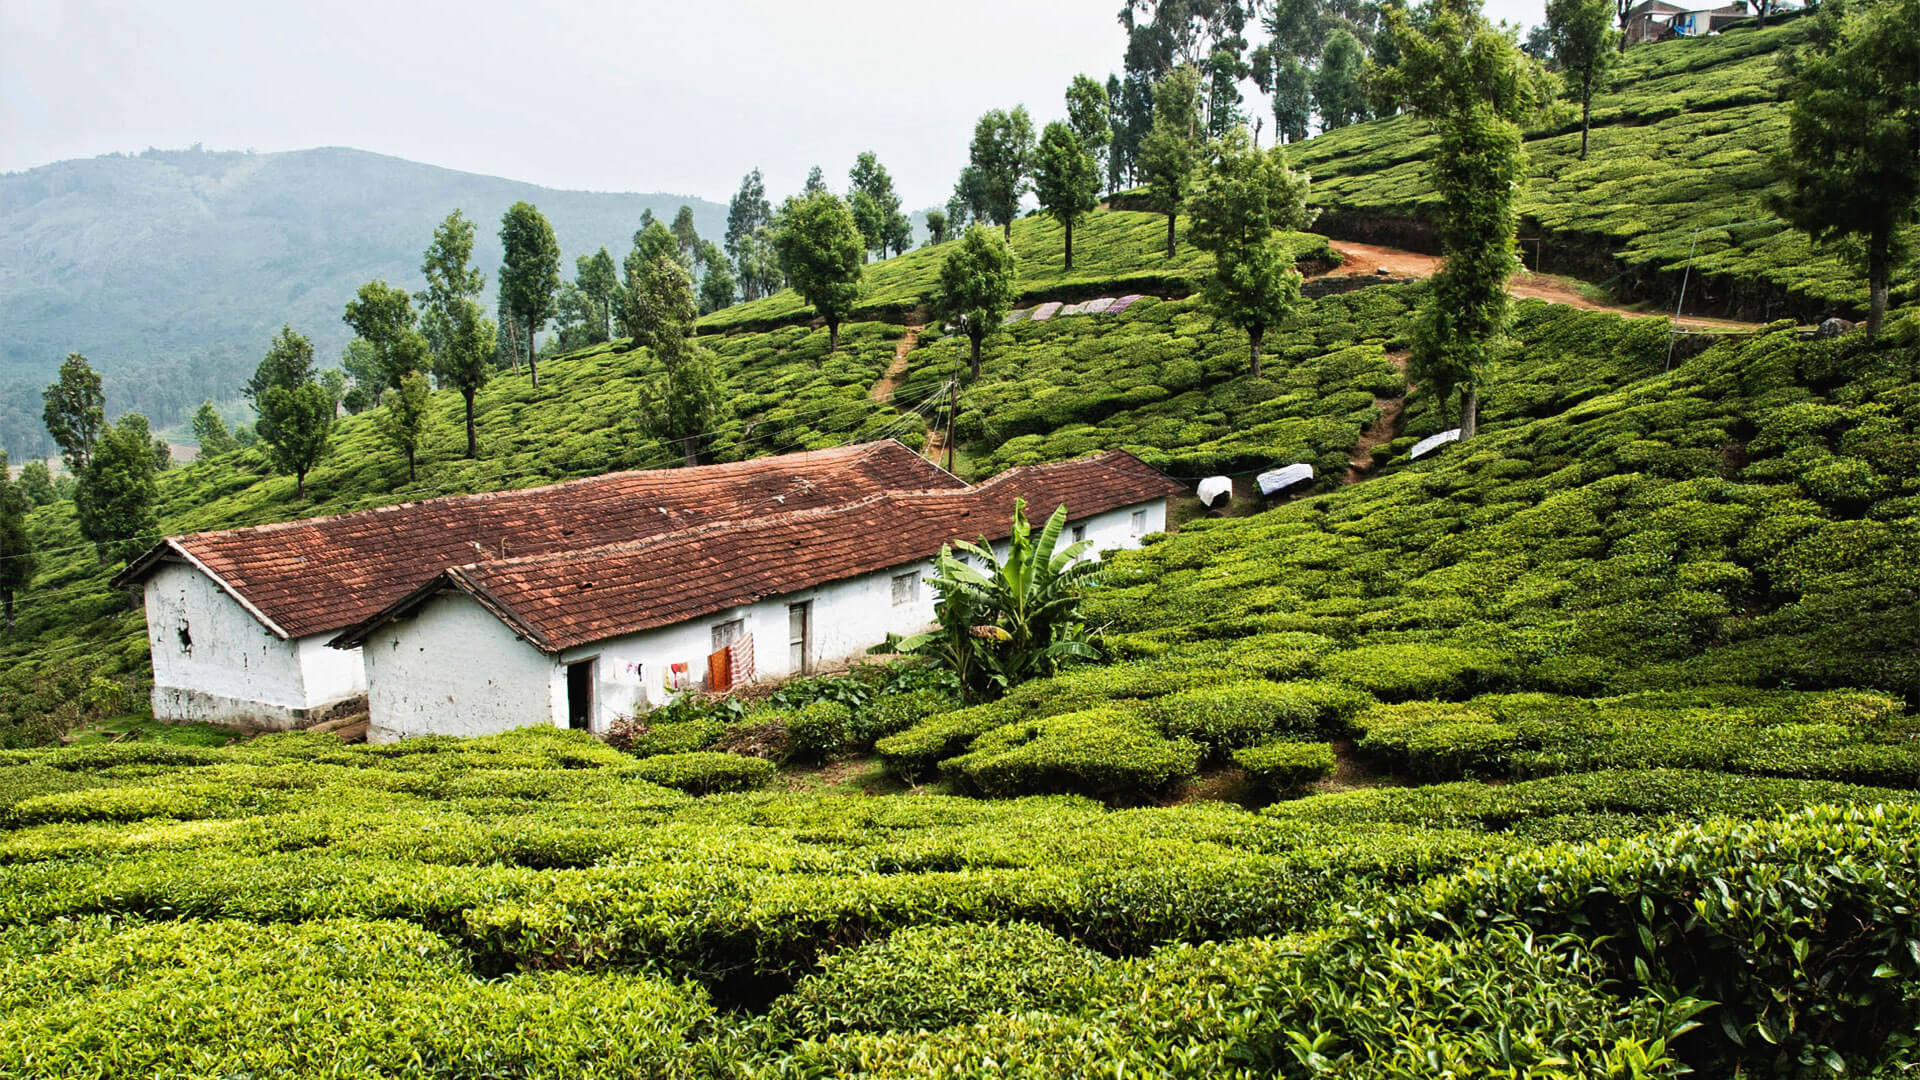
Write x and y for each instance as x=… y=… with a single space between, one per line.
x=580 y=695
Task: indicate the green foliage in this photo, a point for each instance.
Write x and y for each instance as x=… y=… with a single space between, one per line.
x=382 y=316
x=16 y=548
x=1284 y=764
x=976 y=286
x=1105 y=753
x=210 y=431
x=1169 y=152
x=1584 y=43
x=1230 y=715
x=114 y=501
x=1066 y=179
x=818 y=729
x=529 y=272
x=705 y=773
x=820 y=253
x=925 y=978
x=408 y=412
x=1001 y=163
x=1852 y=161
x=75 y=412
x=1005 y=621
x=1242 y=202
x=1339 y=86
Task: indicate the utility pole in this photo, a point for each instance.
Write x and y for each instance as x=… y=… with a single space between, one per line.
x=953 y=411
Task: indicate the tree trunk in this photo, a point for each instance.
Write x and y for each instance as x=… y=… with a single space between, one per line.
x=690 y=447
x=833 y=336
x=300 y=483
x=532 y=369
x=9 y=609
x=1469 y=412
x=1878 y=271
x=974 y=336
x=1006 y=229
x=1586 y=121
x=1069 y=243
x=473 y=444
x=1170 y=217
x=1253 y=361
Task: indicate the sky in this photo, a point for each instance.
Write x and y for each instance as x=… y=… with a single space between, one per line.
x=605 y=95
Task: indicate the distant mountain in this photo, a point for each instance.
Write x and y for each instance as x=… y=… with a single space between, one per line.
x=171 y=270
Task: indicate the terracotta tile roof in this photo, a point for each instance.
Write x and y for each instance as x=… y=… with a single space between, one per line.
x=322 y=574
x=574 y=598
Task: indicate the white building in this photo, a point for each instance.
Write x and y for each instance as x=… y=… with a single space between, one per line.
x=572 y=604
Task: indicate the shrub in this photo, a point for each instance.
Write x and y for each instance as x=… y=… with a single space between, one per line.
x=1435 y=741
x=923 y=978
x=1282 y=765
x=913 y=753
x=763 y=736
x=1100 y=752
x=1401 y=672
x=643 y=739
x=890 y=714
x=1239 y=714
x=816 y=730
x=706 y=772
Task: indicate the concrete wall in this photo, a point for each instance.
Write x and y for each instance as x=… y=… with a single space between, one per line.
x=454 y=669
x=228 y=668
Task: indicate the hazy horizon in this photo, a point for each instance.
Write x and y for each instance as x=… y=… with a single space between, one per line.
x=620 y=98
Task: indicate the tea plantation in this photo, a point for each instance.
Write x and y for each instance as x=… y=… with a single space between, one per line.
x=1680 y=160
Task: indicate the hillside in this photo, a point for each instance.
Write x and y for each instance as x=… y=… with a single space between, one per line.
x=171 y=270
x=1679 y=164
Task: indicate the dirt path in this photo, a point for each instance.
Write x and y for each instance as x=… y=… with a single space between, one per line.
x=1383 y=430
x=1372 y=259
x=897 y=371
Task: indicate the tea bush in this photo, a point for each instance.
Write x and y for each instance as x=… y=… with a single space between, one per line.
x=1283 y=764
x=817 y=730
x=705 y=772
x=1100 y=752
x=930 y=977
x=1236 y=714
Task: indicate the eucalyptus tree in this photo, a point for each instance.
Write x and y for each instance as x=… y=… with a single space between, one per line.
x=1065 y=178
x=529 y=273
x=1171 y=150
x=1470 y=80
x=1090 y=112
x=976 y=288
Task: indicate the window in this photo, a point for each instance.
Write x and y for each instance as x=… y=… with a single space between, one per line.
x=726 y=633
x=1139 y=523
x=1079 y=533
x=906 y=588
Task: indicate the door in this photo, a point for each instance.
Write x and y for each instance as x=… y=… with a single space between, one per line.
x=799 y=631
x=580 y=695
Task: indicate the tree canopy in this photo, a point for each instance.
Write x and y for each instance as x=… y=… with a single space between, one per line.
x=820 y=253
x=1170 y=151
x=1243 y=199
x=1065 y=178
x=1001 y=157
x=76 y=411
x=976 y=286
x=529 y=273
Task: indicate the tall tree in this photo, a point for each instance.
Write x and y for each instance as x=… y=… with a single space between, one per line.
x=816 y=182
x=653 y=240
x=716 y=287
x=115 y=496
x=976 y=286
x=598 y=280
x=407 y=416
x=463 y=361
x=1001 y=156
x=1065 y=178
x=686 y=404
x=1580 y=34
x=1472 y=82
x=296 y=413
x=16 y=547
x=1852 y=160
x=76 y=412
x=819 y=252
x=1243 y=199
x=1224 y=70
x=1339 y=86
x=875 y=204
x=685 y=235
x=1292 y=99
x=746 y=212
x=382 y=316
x=36 y=483
x=210 y=431
x=936 y=226
x=529 y=272
x=1170 y=151
x=1090 y=111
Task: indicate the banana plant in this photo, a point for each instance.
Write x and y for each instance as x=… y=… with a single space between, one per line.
x=1002 y=622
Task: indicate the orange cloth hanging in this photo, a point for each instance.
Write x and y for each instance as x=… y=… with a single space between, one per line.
x=720 y=671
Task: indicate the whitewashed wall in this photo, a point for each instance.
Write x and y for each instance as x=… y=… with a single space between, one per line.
x=235 y=670
x=454 y=669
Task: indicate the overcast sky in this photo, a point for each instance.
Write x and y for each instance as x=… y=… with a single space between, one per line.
x=611 y=95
